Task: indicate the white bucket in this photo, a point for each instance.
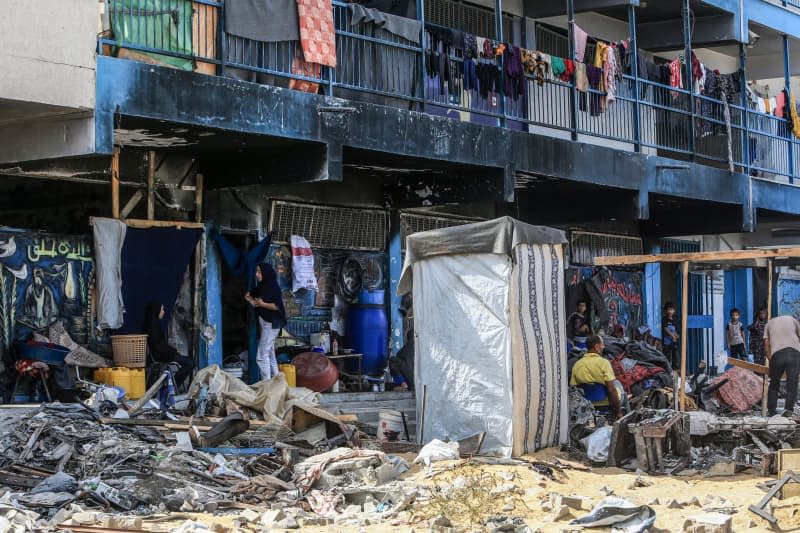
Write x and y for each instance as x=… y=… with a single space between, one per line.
x=390 y=426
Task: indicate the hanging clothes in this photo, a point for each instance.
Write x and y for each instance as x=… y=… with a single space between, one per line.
x=470 y=46
x=675 y=79
x=569 y=70
x=317 y=32
x=600 y=54
x=780 y=104
x=580 y=38
x=514 y=73
x=596 y=100
x=610 y=75
x=488 y=78
x=795 y=117
x=558 y=66
x=581 y=80
x=470 y=75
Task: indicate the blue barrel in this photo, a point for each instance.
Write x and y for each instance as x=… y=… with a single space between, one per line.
x=368 y=333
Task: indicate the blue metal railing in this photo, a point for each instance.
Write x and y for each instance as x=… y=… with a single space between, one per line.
x=373 y=63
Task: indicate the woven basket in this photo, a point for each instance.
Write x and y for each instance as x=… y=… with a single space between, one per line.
x=130 y=351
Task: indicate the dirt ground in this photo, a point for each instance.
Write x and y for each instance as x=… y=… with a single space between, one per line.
x=532 y=493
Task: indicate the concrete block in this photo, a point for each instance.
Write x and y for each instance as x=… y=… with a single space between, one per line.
x=709 y=523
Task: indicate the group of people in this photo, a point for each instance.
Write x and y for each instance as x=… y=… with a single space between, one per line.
x=776 y=341
x=267 y=301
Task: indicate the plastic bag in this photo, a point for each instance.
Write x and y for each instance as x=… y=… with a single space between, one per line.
x=437 y=450
x=302 y=265
x=597 y=444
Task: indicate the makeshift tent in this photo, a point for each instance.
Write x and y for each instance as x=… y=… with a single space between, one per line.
x=490 y=334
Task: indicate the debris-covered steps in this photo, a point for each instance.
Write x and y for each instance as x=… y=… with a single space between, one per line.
x=367 y=405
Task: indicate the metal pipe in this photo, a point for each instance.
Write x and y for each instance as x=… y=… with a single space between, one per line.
x=573 y=101
x=637 y=144
x=745 y=110
x=498 y=24
x=421 y=74
x=787 y=76
x=687 y=52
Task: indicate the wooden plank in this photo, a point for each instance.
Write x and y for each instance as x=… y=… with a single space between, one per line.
x=138 y=223
x=151 y=184
x=697 y=257
x=684 y=329
x=115 y=183
x=132 y=203
x=758 y=369
x=765 y=384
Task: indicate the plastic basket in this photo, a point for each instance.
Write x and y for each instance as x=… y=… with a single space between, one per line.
x=130 y=351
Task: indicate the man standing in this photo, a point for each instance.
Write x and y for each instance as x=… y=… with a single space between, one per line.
x=782 y=347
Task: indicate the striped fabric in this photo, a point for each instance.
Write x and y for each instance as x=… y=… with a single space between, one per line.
x=538 y=338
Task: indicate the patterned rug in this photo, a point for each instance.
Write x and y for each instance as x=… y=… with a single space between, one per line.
x=317 y=32
x=538 y=353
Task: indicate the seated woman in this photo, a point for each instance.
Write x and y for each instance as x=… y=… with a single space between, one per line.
x=160 y=349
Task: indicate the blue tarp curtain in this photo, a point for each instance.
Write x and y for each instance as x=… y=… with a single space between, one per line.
x=154 y=261
x=241 y=262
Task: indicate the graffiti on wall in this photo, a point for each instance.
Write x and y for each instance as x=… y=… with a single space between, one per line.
x=789 y=297
x=43 y=278
x=622 y=294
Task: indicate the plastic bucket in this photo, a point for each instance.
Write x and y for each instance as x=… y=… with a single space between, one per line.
x=390 y=426
x=290 y=373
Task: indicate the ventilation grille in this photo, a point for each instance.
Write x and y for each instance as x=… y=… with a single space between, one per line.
x=678 y=246
x=584 y=247
x=411 y=223
x=337 y=228
x=469 y=18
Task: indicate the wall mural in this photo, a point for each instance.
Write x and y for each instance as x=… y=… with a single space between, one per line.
x=622 y=293
x=43 y=278
x=620 y=290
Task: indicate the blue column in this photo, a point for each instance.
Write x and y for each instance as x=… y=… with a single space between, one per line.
x=687 y=43
x=787 y=75
x=652 y=294
x=211 y=354
x=395 y=269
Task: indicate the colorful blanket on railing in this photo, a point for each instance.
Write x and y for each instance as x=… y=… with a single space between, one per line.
x=317 y=32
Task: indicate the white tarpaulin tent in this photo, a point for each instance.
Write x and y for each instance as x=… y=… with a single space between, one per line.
x=490 y=333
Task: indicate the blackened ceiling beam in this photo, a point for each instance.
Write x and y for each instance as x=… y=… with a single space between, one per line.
x=668 y=34
x=553 y=8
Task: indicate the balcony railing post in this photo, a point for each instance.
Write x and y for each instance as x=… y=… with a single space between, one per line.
x=787 y=75
x=687 y=43
x=498 y=25
x=222 y=44
x=637 y=142
x=573 y=100
x=745 y=109
x=421 y=79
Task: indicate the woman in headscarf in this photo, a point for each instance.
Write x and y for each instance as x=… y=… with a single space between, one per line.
x=160 y=349
x=267 y=300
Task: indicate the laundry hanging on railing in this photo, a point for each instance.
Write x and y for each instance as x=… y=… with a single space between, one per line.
x=317 y=32
x=403 y=27
x=263 y=20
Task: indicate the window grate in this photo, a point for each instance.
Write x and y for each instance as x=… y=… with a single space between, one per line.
x=679 y=246
x=411 y=223
x=584 y=246
x=469 y=18
x=337 y=228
